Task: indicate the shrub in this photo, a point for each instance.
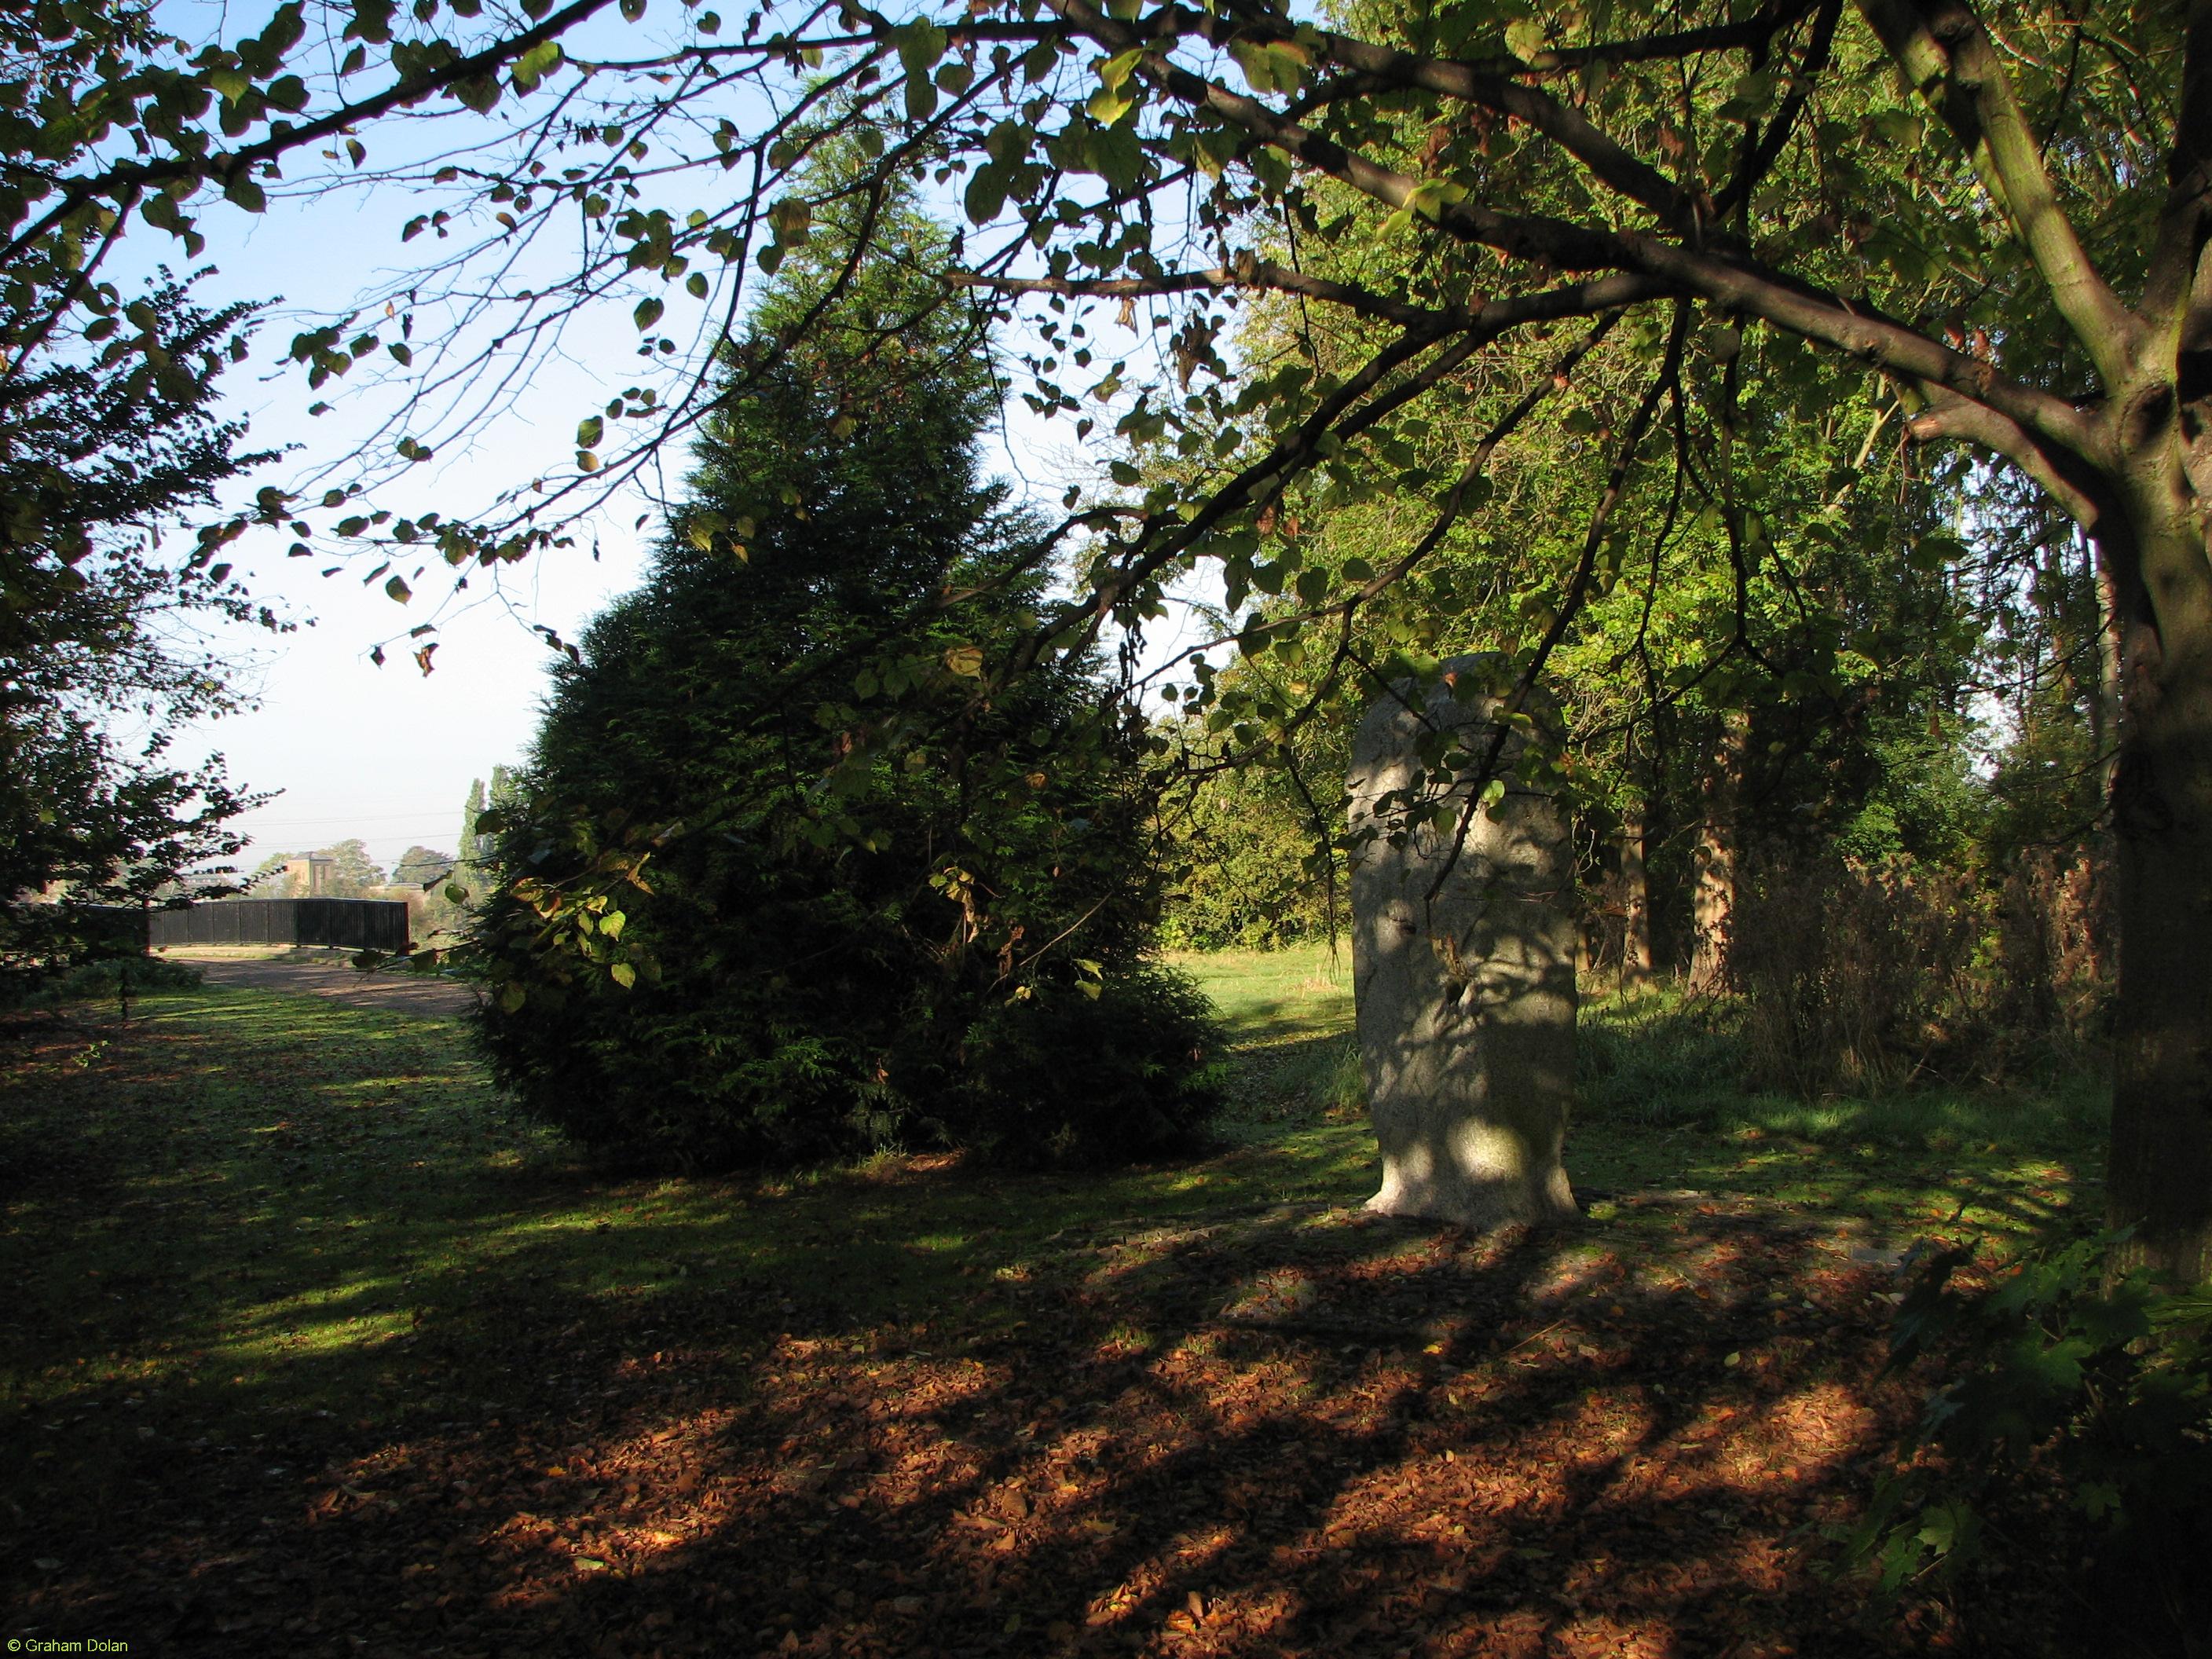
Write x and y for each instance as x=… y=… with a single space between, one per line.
x=1659 y=1056
x=2103 y=1394
x=1854 y=978
x=2054 y=945
x=136 y=975
x=1065 y=1077
x=121 y=977
x=789 y=838
x=1858 y=978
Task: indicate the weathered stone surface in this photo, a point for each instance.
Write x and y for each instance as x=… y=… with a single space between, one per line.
x=1466 y=1001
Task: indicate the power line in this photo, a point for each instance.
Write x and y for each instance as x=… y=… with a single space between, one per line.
x=423 y=816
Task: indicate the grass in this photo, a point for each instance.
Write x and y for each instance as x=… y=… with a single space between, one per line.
x=240 y=1202
x=1289 y=1015
x=259 y=1242
x=1663 y=1107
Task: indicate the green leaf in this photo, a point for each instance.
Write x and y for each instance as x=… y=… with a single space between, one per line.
x=920 y=44
x=647 y=314
x=1272 y=65
x=531 y=67
x=622 y=975
x=1107 y=107
x=793 y=220
x=985 y=195
x=589 y=431
x=1431 y=196
x=1113 y=72
x=1271 y=166
x=398 y=589
x=1751 y=97
x=1009 y=142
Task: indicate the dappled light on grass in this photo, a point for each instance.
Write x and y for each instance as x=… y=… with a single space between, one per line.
x=403 y=1375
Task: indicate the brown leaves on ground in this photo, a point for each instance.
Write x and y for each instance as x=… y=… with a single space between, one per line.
x=1301 y=1433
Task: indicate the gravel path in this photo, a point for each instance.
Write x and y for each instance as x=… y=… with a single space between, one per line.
x=336 y=977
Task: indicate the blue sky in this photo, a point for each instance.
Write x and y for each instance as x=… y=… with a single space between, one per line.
x=386 y=753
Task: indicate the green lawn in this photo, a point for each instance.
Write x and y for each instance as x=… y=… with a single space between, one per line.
x=1662 y=1108
x=245 y=1198
x=257 y=1239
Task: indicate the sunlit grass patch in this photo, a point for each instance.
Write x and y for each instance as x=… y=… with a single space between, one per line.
x=1663 y=1106
x=1280 y=996
x=306 y=1249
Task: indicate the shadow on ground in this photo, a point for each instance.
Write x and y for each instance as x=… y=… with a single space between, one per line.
x=887 y=1414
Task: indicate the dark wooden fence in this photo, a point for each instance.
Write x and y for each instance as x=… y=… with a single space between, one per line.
x=361 y=924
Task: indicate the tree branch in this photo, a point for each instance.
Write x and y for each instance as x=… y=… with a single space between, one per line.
x=1733 y=283
x=1266 y=275
x=1379 y=68
x=2178 y=290
x=1950 y=417
x=1948 y=60
x=283 y=137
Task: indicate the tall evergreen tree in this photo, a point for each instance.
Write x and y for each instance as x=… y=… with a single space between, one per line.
x=472 y=842
x=842 y=932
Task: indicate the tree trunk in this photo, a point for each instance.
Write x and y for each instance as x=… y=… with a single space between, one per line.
x=2159 y=1182
x=1635 y=903
x=1713 y=861
x=2105 y=706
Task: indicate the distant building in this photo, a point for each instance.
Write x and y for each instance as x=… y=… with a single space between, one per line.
x=310 y=876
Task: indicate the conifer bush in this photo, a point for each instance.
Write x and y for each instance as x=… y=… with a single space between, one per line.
x=795 y=873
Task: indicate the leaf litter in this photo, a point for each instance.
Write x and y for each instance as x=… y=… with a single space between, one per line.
x=1276 y=1429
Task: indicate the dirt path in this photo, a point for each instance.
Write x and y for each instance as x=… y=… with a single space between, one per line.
x=335 y=976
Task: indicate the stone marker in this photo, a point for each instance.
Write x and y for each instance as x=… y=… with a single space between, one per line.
x=1466 y=1003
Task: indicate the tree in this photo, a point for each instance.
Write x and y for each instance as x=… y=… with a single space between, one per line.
x=2000 y=216
x=418 y=867
x=104 y=437
x=88 y=830
x=352 y=872
x=1740 y=596
x=861 y=925
x=96 y=622
x=475 y=844
x=478 y=845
